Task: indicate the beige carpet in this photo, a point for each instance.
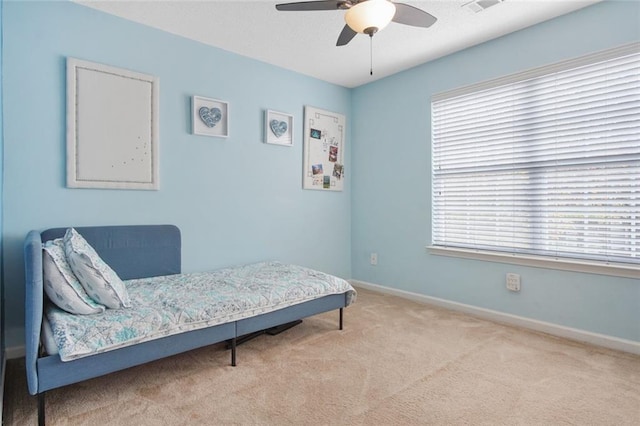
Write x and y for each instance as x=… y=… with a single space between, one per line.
x=396 y=363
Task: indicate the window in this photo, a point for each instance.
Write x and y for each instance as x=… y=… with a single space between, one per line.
x=543 y=163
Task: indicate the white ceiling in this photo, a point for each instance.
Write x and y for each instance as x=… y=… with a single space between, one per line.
x=305 y=41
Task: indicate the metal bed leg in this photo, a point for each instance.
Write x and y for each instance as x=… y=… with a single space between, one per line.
x=41 y=420
x=341 y=318
x=233 y=352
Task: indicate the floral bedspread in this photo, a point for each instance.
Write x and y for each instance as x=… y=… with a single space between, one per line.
x=162 y=306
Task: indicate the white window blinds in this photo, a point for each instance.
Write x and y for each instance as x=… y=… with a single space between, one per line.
x=545 y=162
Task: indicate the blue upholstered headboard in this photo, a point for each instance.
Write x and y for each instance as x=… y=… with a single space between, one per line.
x=135 y=251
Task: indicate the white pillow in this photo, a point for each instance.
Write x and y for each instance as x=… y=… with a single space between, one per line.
x=98 y=279
x=61 y=285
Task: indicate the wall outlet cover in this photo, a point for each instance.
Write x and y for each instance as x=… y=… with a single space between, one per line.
x=513 y=282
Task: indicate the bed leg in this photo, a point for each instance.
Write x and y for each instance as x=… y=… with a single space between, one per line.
x=341 y=315
x=41 y=420
x=233 y=352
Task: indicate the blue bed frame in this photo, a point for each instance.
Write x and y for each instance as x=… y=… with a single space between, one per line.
x=135 y=251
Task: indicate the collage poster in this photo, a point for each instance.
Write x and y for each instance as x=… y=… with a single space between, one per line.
x=324 y=134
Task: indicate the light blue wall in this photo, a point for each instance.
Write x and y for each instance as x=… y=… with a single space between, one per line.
x=391 y=208
x=236 y=200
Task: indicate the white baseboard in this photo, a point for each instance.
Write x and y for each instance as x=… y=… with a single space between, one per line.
x=14 y=352
x=3 y=368
x=545 y=327
x=489 y=314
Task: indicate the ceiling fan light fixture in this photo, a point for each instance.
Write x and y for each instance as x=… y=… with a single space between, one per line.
x=371 y=16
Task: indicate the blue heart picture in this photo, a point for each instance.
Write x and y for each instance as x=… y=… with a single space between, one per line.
x=278 y=128
x=210 y=116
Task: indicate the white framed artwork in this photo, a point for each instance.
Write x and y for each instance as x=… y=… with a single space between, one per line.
x=112 y=127
x=324 y=141
x=278 y=128
x=210 y=117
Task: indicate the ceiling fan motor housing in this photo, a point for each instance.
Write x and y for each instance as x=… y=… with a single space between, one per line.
x=366 y=16
x=371 y=16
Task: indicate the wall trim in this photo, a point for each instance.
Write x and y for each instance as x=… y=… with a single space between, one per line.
x=563 y=264
x=3 y=368
x=14 y=352
x=603 y=340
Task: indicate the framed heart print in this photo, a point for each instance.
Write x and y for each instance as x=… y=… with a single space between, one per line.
x=278 y=128
x=209 y=117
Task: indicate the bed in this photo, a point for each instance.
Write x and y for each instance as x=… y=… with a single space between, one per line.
x=229 y=304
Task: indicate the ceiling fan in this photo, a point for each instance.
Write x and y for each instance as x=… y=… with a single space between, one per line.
x=366 y=16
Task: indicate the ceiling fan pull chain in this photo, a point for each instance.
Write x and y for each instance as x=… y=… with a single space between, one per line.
x=371 y=54
x=368 y=16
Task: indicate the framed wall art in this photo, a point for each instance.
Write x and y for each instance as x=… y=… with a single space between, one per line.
x=324 y=141
x=278 y=128
x=210 y=117
x=112 y=127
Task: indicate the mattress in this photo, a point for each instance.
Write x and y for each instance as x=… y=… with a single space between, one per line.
x=167 y=305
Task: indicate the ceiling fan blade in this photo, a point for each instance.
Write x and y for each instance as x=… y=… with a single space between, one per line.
x=409 y=15
x=346 y=36
x=311 y=5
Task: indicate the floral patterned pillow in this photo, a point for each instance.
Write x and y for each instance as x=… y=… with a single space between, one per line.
x=61 y=285
x=98 y=279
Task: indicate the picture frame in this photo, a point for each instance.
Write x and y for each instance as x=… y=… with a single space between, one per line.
x=324 y=150
x=112 y=127
x=209 y=117
x=278 y=128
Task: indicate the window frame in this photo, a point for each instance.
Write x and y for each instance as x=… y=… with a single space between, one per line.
x=627 y=270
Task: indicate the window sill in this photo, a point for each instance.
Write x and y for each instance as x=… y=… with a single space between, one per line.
x=613 y=269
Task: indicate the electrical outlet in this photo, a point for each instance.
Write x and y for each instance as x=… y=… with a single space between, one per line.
x=374 y=259
x=513 y=282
